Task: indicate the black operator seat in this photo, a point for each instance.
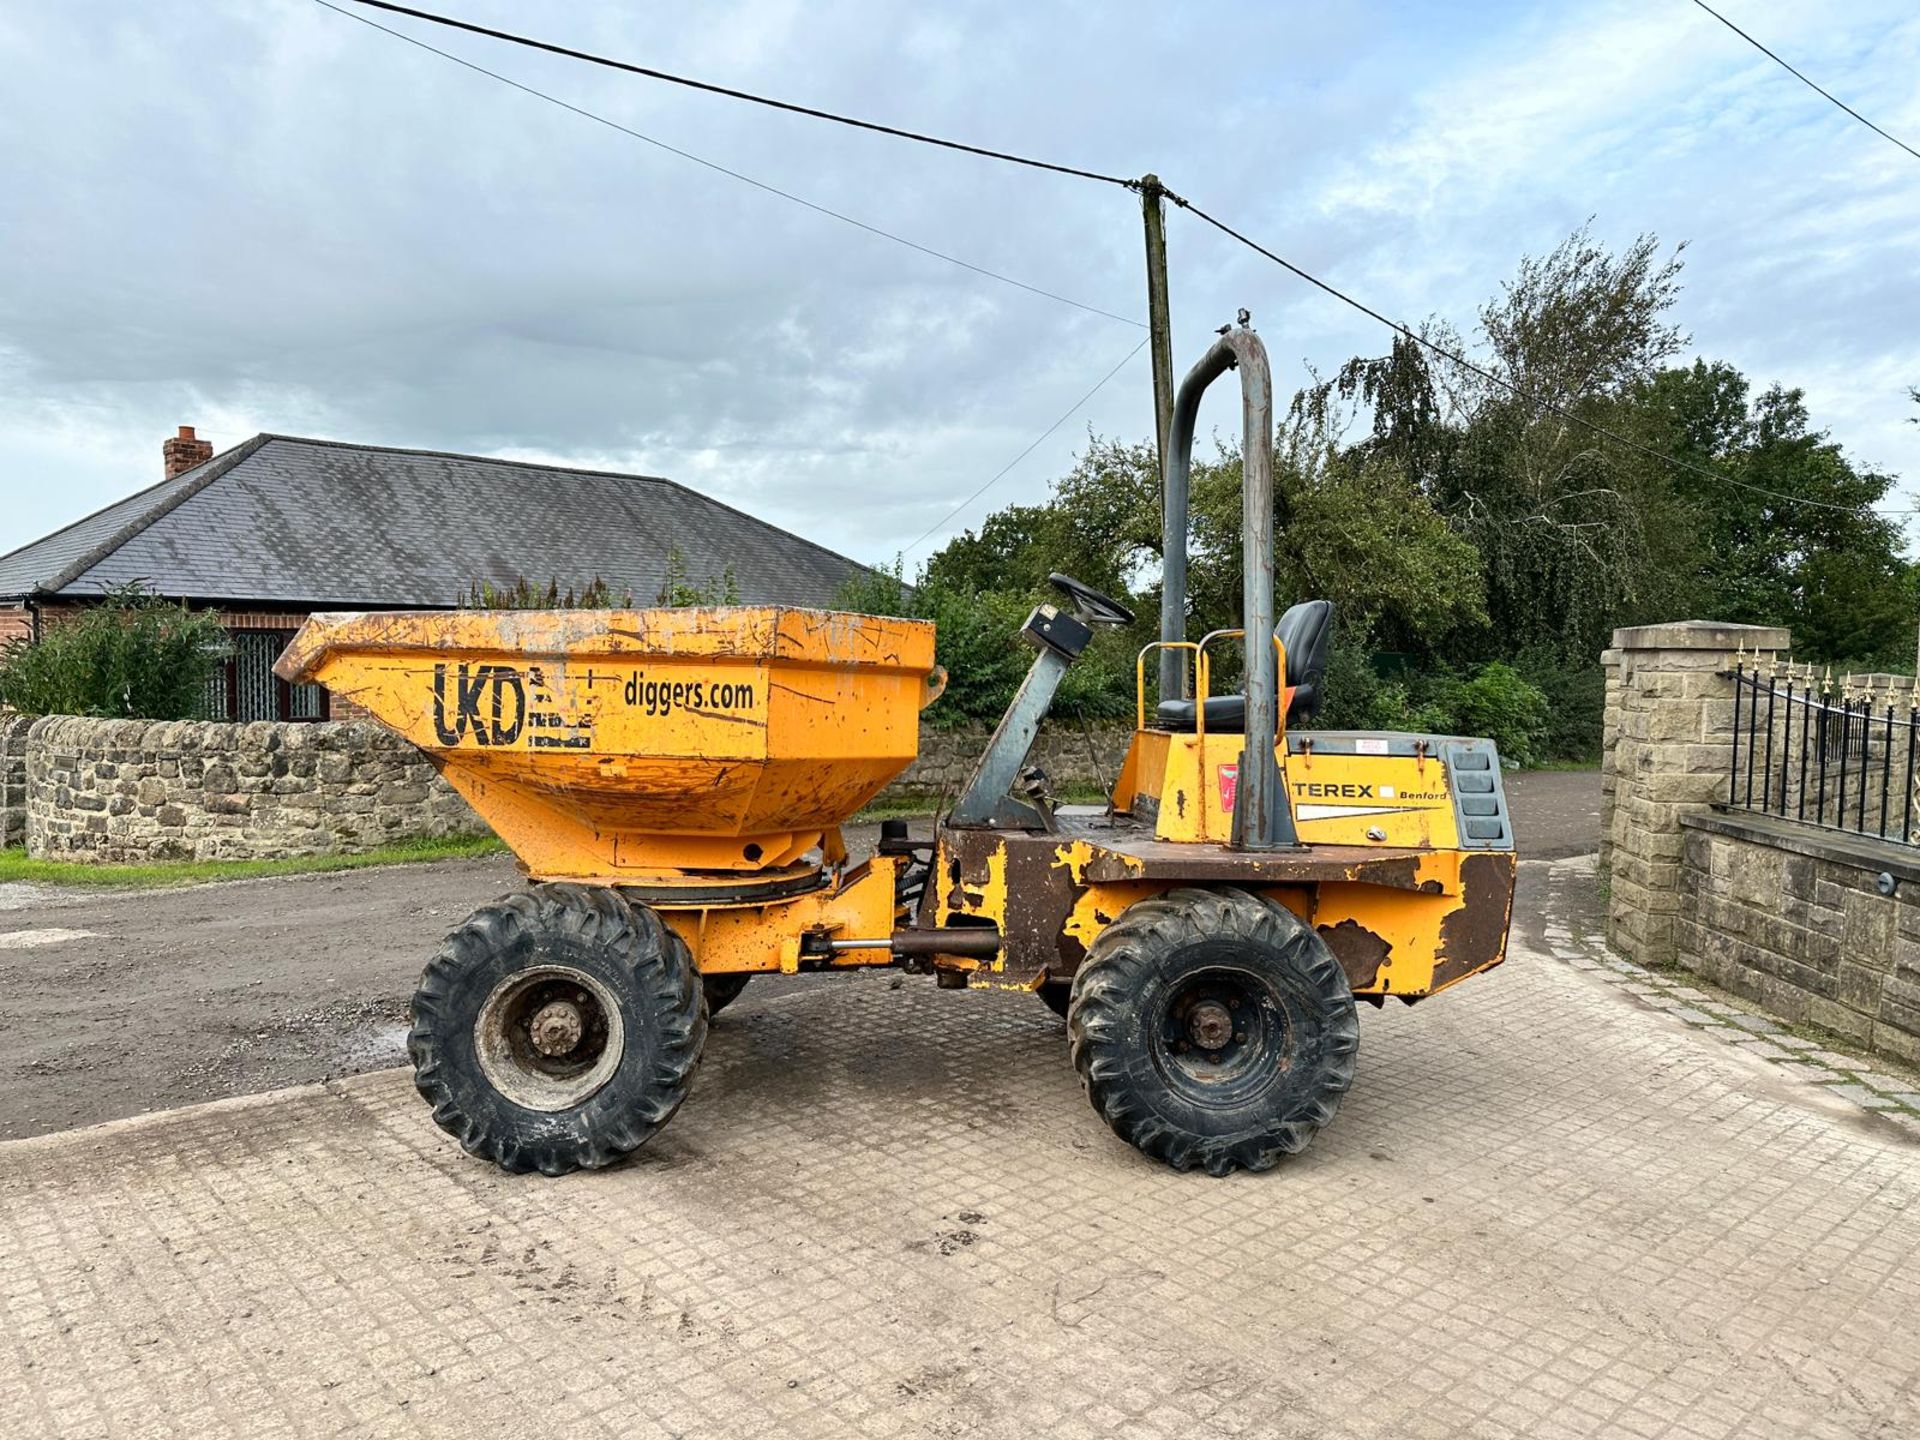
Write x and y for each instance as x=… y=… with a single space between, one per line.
x=1306 y=630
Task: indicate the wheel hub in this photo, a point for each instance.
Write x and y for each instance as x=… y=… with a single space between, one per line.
x=1220 y=1035
x=549 y=1036
x=1210 y=1025
x=556 y=1028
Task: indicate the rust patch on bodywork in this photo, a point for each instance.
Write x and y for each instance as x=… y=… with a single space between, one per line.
x=988 y=869
x=1359 y=951
x=1473 y=936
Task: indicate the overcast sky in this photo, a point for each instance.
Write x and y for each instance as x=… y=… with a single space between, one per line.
x=254 y=215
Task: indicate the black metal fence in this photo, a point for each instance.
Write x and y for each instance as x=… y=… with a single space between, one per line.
x=1839 y=755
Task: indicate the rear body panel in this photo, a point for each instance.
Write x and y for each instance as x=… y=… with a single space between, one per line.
x=1402 y=921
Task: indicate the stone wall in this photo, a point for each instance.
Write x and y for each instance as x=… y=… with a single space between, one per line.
x=1669 y=747
x=112 y=791
x=1072 y=757
x=1609 y=746
x=13 y=779
x=1820 y=928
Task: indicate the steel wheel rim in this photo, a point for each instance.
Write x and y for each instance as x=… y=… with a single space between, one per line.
x=521 y=1037
x=1221 y=1037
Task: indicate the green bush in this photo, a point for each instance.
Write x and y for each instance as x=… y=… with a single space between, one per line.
x=1529 y=721
x=1500 y=704
x=596 y=594
x=1576 y=704
x=977 y=641
x=1496 y=701
x=133 y=655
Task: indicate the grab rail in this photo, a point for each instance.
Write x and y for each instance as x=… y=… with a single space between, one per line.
x=1202 y=678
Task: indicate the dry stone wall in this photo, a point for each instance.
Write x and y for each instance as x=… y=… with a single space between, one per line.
x=13 y=779
x=1072 y=757
x=112 y=791
x=126 y=791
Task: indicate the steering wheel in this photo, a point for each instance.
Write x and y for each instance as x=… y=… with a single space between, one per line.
x=1096 y=608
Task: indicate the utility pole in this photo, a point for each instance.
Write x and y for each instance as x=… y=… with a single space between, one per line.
x=1173 y=670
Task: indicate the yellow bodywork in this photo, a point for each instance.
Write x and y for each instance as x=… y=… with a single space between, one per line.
x=704 y=759
x=633 y=745
x=1188 y=782
x=1394 y=939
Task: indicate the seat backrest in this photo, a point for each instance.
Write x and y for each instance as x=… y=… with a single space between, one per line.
x=1306 y=630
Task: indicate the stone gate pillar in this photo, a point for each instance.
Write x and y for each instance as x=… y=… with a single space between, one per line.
x=1669 y=729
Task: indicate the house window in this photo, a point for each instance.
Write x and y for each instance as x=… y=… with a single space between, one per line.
x=244 y=686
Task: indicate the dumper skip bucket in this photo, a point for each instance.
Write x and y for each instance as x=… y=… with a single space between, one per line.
x=629 y=745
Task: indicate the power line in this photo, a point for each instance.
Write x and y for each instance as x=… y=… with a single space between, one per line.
x=788 y=195
x=1539 y=402
x=648 y=72
x=1829 y=95
x=1007 y=468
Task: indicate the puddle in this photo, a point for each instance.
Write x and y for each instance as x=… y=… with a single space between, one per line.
x=18 y=895
x=373 y=1050
x=34 y=939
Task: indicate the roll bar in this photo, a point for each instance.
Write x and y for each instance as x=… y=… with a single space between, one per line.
x=1262 y=819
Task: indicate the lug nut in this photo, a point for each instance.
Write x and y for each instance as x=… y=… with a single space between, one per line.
x=1239 y=1037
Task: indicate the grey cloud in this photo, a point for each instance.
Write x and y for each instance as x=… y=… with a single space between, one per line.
x=264 y=216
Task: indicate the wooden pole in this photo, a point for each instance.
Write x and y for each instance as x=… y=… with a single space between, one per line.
x=1173 y=674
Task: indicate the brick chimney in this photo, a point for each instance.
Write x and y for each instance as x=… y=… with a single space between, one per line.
x=182 y=452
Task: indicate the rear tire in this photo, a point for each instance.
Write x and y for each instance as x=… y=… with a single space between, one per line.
x=722 y=990
x=1213 y=1028
x=557 y=1030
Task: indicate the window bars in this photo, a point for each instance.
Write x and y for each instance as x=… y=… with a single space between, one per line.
x=1837 y=755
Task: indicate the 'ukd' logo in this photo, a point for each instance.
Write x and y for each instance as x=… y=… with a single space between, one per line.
x=489 y=703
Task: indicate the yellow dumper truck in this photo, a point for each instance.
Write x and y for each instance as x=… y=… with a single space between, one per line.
x=674 y=782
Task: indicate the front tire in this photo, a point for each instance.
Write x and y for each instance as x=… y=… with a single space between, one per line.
x=1213 y=1028
x=557 y=1030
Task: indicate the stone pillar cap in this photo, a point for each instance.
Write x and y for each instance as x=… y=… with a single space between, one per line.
x=1703 y=635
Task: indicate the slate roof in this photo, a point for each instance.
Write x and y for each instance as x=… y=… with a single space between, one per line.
x=285 y=520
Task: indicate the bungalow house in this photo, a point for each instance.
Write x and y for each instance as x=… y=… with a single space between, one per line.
x=279 y=527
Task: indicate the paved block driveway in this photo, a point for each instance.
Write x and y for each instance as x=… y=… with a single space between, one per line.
x=1544 y=1210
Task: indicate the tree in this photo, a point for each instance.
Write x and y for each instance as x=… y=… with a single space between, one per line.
x=1476 y=512
x=1788 y=537
x=1570 y=527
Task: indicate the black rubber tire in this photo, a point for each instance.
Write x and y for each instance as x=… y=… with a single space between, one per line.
x=1286 y=1078
x=722 y=990
x=1056 y=995
x=640 y=964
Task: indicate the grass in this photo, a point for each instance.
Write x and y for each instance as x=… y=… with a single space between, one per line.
x=15 y=865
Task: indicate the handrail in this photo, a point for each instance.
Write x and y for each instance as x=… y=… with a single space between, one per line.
x=1140 y=675
x=1202 y=678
